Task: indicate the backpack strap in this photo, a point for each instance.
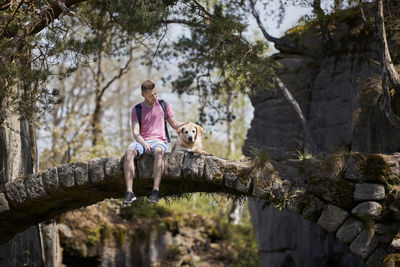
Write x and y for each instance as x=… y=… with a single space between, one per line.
x=138 y=108
x=164 y=107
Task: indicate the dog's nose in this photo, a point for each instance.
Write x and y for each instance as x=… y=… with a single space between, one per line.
x=190 y=139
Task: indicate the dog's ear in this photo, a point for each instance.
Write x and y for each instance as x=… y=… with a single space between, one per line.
x=179 y=131
x=199 y=129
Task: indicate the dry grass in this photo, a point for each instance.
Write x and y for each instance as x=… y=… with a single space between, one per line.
x=261 y=158
x=370 y=90
x=336 y=161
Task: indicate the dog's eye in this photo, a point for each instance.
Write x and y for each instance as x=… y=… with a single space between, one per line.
x=186 y=131
x=193 y=131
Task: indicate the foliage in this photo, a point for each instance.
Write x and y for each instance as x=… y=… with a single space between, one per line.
x=370 y=90
x=217 y=60
x=203 y=204
x=285 y=200
x=393 y=187
x=29 y=51
x=335 y=161
x=246 y=249
x=140 y=16
x=304 y=155
x=144 y=209
x=93 y=225
x=110 y=220
x=241 y=237
x=27 y=254
x=261 y=158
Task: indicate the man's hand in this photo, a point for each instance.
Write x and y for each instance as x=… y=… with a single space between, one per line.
x=147 y=148
x=174 y=123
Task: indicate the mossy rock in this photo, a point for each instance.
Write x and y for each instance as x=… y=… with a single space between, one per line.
x=376 y=167
x=336 y=191
x=312 y=207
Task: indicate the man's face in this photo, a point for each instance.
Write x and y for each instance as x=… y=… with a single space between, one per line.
x=150 y=96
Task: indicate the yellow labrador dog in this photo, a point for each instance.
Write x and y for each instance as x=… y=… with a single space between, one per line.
x=189 y=138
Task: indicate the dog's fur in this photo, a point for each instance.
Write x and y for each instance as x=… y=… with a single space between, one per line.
x=189 y=138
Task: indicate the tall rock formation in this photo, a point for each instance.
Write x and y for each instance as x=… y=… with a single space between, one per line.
x=17 y=150
x=338 y=94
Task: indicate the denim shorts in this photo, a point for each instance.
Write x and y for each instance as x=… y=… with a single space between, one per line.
x=153 y=143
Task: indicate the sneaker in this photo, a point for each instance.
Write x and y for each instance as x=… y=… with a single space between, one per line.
x=129 y=197
x=154 y=196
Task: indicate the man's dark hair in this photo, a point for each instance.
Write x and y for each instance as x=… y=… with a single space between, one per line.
x=147 y=85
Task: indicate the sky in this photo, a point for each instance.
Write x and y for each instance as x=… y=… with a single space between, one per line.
x=293 y=14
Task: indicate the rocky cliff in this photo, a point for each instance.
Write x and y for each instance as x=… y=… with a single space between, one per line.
x=16 y=159
x=338 y=94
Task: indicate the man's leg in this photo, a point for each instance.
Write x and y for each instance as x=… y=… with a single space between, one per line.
x=129 y=174
x=129 y=168
x=158 y=167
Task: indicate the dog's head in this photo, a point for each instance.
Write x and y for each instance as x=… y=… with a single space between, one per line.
x=190 y=132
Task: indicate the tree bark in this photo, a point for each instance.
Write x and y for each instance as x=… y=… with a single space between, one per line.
x=386 y=58
x=102 y=87
x=97 y=125
x=388 y=71
x=229 y=133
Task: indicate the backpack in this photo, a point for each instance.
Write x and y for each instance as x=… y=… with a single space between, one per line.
x=138 y=108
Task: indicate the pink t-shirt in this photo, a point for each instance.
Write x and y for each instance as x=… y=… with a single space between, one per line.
x=153 y=127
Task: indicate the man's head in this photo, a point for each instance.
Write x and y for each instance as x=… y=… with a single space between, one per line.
x=149 y=92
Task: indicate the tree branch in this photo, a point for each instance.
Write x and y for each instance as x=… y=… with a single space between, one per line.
x=323 y=24
x=276 y=41
x=6 y=5
x=202 y=8
x=11 y=18
x=387 y=69
x=48 y=15
x=63 y=7
x=386 y=59
x=362 y=12
x=309 y=140
x=159 y=43
x=121 y=72
x=385 y=102
x=182 y=21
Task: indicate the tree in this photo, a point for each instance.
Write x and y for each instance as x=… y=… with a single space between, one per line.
x=389 y=74
x=31 y=40
x=68 y=123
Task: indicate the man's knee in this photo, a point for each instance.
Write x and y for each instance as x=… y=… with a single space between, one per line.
x=130 y=154
x=158 y=151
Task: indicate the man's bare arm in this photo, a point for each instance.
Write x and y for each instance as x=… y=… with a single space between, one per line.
x=138 y=137
x=174 y=123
